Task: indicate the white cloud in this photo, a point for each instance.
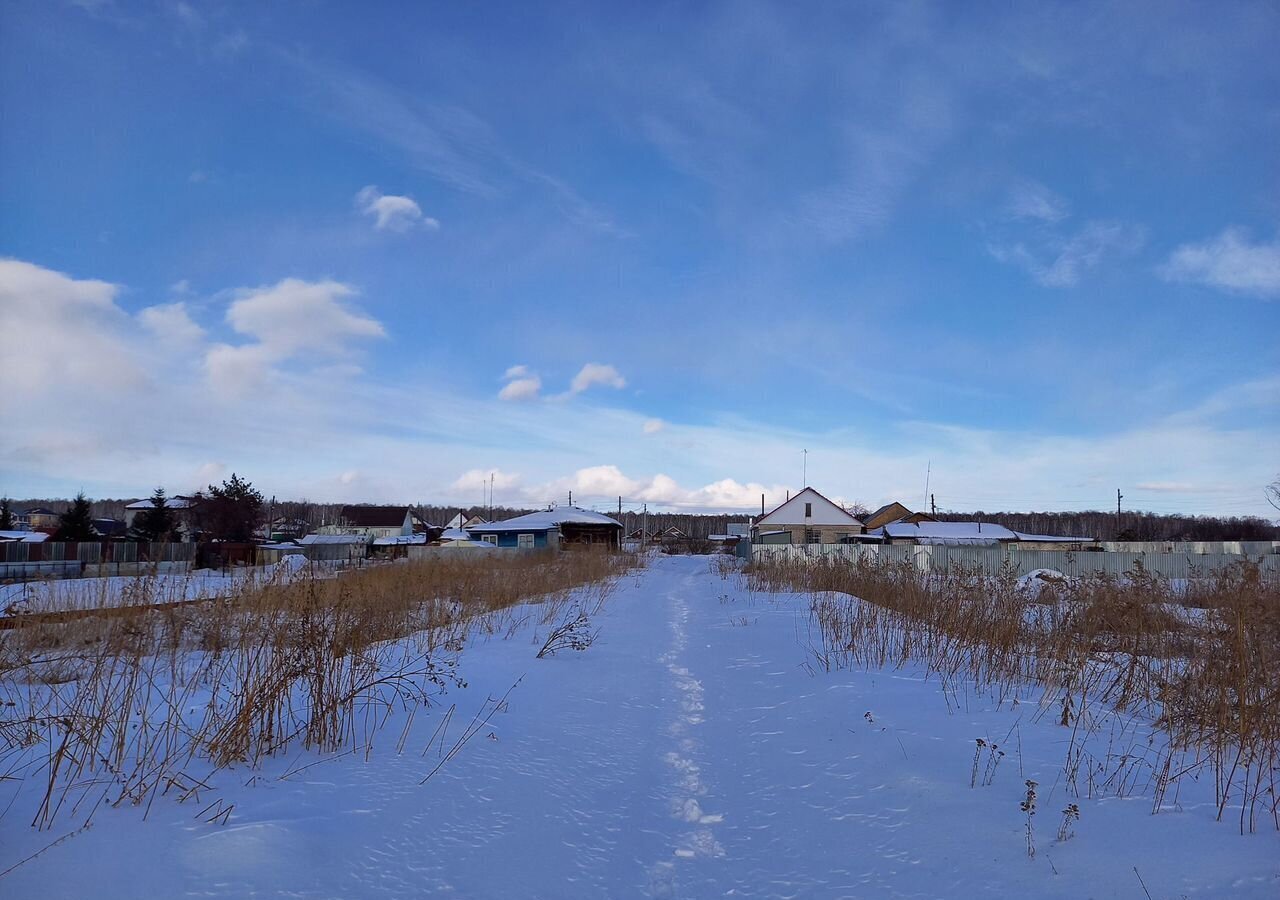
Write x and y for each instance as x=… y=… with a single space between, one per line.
x=391 y=212
x=1229 y=261
x=604 y=482
x=292 y=319
x=172 y=324
x=294 y=315
x=521 y=389
x=63 y=333
x=596 y=373
x=516 y=372
x=1061 y=261
x=653 y=426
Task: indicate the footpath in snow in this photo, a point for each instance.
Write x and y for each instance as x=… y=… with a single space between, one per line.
x=695 y=750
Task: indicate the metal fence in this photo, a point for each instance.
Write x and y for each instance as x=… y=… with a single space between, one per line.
x=991 y=560
x=1244 y=548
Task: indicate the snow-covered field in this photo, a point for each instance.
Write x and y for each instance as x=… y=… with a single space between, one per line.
x=695 y=750
x=88 y=593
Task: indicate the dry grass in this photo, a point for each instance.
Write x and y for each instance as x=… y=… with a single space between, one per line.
x=1202 y=664
x=126 y=707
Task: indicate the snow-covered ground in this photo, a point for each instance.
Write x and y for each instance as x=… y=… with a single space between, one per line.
x=694 y=751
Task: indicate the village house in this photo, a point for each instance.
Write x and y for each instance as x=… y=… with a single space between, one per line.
x=40 y=518
x=560 y=527
x=181 y=507
x=807 y=518
x=372 y=522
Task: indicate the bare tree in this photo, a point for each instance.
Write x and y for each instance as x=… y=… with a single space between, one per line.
x=1273 y=493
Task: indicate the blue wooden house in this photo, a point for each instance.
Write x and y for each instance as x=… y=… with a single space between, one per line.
x=551 y=528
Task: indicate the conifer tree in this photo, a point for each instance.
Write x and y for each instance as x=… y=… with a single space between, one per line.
x=230 y=512
x=6 y=516
x=76 y=524
x=156 y=523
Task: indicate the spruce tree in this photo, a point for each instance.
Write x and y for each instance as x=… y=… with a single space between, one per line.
x=156 y=523
x=231 y=512
x=6 y=516
x=76 y=524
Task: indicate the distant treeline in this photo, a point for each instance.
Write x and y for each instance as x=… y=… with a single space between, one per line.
x=1132 y=526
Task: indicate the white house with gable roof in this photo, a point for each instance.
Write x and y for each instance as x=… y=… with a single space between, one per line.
x=807 y=518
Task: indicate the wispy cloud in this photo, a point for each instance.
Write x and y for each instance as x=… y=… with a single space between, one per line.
x=1060 y=260
x=1032 y=200
x=1231 y=262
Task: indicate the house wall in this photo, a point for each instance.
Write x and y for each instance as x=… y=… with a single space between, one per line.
x=511 y=539
x=826 y=534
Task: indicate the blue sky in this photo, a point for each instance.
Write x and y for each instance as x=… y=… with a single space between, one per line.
x=382 y=251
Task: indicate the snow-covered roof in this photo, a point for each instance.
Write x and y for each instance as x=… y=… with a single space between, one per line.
x=1053 y=538
x=548 y=519
x=398 y=540
x=456 y=522
x=26 y=537
x=723 y=537
x=312 y=539
x=170 y=503
x=454 y=533
x=943 y=532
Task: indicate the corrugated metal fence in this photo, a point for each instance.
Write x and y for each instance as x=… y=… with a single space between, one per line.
x=990 y=560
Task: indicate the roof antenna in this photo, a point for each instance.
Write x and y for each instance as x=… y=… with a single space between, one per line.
x=804 y=471
x=927 y=472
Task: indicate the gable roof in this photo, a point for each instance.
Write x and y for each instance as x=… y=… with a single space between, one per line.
x=825 y=512
x=890 y=512
x=374 y=516
x=546 y=520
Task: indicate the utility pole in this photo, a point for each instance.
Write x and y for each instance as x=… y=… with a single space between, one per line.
x=644 y=528
x=1119 y=497
x=571 y=498
x=933 y=507
x=619 y=506
x=927 y=473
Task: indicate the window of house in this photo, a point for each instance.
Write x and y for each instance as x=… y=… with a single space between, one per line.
x=524 y=540
x=811 y=536
x=808 y=510
x=489 y=538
